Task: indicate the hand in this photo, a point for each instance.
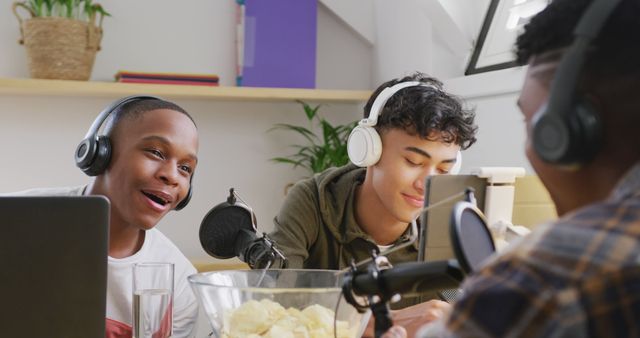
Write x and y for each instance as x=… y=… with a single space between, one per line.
x=414 y=317
x=395 y=332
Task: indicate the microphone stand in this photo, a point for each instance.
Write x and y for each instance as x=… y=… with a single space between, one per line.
x=375 y=283
x=258 y=258
x=379 y=303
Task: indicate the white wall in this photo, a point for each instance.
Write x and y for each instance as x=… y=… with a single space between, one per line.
x=345 y=58
x=403 y=40
x=501 y=130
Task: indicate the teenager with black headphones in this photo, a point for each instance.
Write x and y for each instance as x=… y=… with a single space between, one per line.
x=411 y=129
x=142 y=153
x=579 y=275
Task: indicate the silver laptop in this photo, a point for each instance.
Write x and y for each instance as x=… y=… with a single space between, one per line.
x=435 y=241
x=435 y=230
x=53 y=266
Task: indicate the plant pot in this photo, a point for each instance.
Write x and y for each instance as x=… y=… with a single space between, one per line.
x=60 y=48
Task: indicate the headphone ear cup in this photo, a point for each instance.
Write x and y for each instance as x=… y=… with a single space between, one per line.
x=101 y=158
x=364 y=146
x=585 y=133
x=184 y=201
x=187 y=198
x=569 y=142
x=550 y=135
x=85 y=153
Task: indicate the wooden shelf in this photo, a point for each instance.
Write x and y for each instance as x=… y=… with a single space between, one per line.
x=15 y=86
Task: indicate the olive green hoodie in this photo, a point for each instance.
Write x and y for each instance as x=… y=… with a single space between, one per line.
x=316 y=227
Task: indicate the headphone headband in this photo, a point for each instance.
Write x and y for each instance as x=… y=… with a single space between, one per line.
x=364 y=146
x=563 y=88
x=567 y=130
x=383 y=97
x=104 y=114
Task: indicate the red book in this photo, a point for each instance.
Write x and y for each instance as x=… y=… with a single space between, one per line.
x=163 y=81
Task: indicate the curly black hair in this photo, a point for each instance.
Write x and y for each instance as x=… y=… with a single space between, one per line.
x=426 y=111
x=615 y=54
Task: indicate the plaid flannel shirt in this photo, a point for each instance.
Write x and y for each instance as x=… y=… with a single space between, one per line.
x=576 y=277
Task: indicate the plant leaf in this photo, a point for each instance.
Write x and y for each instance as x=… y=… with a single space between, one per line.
x=306 y=133
x=322 y=151
x=308 y=110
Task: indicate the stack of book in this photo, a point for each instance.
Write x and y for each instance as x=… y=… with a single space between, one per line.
x=168 y=78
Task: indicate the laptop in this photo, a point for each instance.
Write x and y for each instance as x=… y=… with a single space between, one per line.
x=443 y=237
x=435 y=243
x=53 y=266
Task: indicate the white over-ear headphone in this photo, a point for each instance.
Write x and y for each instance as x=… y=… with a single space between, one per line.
x=364 y=145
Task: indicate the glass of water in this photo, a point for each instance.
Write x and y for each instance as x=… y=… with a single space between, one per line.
x=152 y=300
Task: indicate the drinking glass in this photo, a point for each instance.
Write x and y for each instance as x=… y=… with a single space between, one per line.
x=152 y=300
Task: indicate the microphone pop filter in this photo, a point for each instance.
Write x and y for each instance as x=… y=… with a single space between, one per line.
x=221 y=226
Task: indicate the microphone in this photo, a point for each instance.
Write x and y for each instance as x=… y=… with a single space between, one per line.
x=380 y=282
x=408 y=279
x=229 y=230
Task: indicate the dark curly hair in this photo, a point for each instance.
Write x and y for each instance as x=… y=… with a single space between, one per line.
x=615 y=54
x=428 y=112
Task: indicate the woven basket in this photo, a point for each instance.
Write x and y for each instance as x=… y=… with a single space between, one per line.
x=59 y=48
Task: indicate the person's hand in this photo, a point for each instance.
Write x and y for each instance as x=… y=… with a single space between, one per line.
x=395 y=332
x=413 y=317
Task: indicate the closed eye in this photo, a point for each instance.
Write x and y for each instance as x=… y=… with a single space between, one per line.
x=413 y=164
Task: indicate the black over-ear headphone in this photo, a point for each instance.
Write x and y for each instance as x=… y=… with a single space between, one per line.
x=567 y=130
x=93 y=153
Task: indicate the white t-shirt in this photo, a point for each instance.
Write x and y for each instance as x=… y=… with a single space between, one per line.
x=156 y=248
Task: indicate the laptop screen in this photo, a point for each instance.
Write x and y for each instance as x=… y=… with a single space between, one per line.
x=435 y=243
x=53 y=266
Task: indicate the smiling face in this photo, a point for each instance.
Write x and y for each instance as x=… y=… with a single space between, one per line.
x=398 y=178
x=154 y=156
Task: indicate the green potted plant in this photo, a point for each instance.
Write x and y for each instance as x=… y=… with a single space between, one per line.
x=61 y=37
x=320 y=151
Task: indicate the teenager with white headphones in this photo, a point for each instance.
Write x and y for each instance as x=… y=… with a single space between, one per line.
x=411 y=129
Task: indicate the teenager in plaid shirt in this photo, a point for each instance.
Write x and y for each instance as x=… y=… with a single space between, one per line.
x=580 y=275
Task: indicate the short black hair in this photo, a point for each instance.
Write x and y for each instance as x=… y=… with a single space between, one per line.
x=615 y=53
x=425 y=110
x=136 y=108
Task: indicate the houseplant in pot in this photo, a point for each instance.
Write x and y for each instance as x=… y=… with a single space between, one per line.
x=325 y=143
x=61 y=37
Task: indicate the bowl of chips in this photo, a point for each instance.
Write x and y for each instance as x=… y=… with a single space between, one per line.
x=277 y=303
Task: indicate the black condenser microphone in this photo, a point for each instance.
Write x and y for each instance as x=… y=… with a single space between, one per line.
x=229 y=230
x=381 y=282
x=411 y=278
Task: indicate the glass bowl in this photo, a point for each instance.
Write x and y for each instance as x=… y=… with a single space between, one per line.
x=277 y=303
